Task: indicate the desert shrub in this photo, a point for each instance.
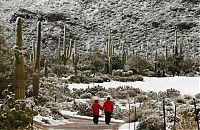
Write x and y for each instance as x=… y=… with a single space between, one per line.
x=61 y=69
x=131 y=93
x=86 y=95
x=78 y=92
x=117 y=113
x=84 y=110
x=105 y=78
x=140 y=98
x=74 y=79
x=138 y=65
x=152 y=95
x=101 y=94
x=197 y=96
x=187 y=97
x=15 y=112
x=170 y=93
x=97 y=80
x=42 y=100
x=122 y=95
x=54 y=107
x=151 y=123
x=83 y=79
x=95 y=89
x=180 y=100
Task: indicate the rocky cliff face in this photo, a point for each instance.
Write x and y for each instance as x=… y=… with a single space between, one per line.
x=142 y=25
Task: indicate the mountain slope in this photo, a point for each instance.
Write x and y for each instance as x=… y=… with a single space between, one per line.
x=142 y=25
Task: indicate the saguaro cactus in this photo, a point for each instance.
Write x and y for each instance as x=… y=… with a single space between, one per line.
x=64 y=46
x=36 y=75
x=124 y=56
x=59 y=52
x=164 y=125
x=19 y=73
x=75 y=59
x=34 y=56
x=110 y=51
x=196 y=114
x=46 y=69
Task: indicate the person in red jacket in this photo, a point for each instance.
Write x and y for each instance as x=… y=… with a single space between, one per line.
x=108 y=109
x=95 y=111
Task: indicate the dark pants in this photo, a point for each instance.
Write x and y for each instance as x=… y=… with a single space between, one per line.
x=107 y=117
x=95 y=119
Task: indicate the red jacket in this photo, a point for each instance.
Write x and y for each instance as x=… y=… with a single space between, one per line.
x=108 y=106
x=95 y=108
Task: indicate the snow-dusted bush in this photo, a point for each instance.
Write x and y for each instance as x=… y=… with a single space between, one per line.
x=170 y=93
x=151 y=123
x=86 y=95
x=97 y=80
x=180 y=100
x=95 y=89
x=197 y=96
x=105 y=78
x=117 y=113
x=187 y=97
x=141 y=98
x=84 y=109
x=122 y=95
x=152 y=95
x=101 y=94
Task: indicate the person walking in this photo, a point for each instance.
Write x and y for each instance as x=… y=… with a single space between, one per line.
x=95 y=111
x=108 y=109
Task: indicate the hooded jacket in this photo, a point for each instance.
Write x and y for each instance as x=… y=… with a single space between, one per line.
x=108 y=106
x=95 y=108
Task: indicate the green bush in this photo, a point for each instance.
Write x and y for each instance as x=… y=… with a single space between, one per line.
x=15 y=114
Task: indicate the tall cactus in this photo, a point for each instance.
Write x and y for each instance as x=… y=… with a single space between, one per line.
x=37 y=62
x=36 y=76
x=64 y=46
x=19 y=72
x=34 y=56
x=176 y=44
x=156 y=61
x=69 y=50
x=46 y=69
x=124 y=56
x=75 y=59
x=59 y=52
x=110 y=50
x=181 y=48
x=166 y=58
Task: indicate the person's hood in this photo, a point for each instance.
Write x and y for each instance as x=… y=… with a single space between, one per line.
x=108 y=101
x=96 y=101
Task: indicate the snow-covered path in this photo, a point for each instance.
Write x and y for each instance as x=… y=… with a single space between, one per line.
x=186 y=85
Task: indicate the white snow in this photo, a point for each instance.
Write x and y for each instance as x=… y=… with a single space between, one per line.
x=51 y=121
x=128 y=126
x=186 y=85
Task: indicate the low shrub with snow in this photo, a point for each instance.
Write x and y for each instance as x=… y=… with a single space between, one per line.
x=151 y=123
x=86 y=95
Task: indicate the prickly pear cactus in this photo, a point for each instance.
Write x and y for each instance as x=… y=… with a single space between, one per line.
x=15 y=114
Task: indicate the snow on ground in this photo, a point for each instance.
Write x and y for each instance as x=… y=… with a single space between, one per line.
x=186 y=85
x=128 y=126
x=50 y=120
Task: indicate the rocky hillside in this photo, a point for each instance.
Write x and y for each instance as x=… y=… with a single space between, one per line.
x=142 y=25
